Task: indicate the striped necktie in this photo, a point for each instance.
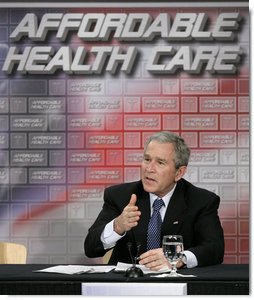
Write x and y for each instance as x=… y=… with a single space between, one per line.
x=154 y=226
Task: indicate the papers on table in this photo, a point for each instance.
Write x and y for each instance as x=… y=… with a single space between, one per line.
x=77 y=269
x=161 y=273
x=82 y=269
x=120 y=267
x=178 y=275
x=123 y=267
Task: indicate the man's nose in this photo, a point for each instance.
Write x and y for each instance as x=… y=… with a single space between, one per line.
x=150 y=166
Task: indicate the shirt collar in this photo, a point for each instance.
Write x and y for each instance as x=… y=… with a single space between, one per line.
x=165 y=198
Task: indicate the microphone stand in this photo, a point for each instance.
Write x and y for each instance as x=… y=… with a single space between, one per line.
x=134 y=271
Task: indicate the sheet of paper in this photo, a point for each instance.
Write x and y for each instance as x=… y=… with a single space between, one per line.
x=179 y=275
x=77 y=269
x=123 y=267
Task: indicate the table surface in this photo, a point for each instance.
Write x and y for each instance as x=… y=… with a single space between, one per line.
x=223 y=272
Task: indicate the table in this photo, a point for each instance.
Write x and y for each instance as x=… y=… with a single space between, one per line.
x=224 y=279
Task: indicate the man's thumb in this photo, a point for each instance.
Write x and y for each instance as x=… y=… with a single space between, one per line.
x=133 y=199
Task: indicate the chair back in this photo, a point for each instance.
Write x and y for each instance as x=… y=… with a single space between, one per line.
x=12 y=253
x=106 y=257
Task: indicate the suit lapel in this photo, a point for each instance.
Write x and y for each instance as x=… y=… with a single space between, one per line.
x=175 y=212
x=143 y=204
x=144 y=207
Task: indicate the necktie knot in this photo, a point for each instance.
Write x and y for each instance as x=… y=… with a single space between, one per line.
x=158 y=203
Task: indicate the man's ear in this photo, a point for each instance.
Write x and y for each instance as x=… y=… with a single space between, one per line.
x=180 y=172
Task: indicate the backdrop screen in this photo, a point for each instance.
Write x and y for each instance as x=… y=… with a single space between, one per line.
x=81 y=89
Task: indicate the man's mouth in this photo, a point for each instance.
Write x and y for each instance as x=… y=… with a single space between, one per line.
x=150 y=179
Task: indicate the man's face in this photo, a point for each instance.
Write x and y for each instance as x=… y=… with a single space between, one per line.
x=158 y=172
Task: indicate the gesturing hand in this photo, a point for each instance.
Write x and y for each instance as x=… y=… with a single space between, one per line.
x=129 y=217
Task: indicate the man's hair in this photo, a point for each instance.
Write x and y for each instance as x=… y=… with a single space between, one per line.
x=182 y=151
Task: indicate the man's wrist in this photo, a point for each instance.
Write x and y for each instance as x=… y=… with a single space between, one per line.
x=117 y=228
x=182 y=262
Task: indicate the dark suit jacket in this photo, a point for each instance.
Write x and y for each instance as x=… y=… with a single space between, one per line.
x=192 y=212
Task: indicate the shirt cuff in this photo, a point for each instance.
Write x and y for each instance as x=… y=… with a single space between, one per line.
x=109 y=237
x=191 y=259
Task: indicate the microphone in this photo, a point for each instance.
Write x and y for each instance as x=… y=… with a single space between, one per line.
x=133 y=271
x=138 y=252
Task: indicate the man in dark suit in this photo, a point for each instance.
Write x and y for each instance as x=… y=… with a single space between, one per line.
x=187 y=210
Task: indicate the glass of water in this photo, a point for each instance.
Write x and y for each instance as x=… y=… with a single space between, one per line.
x=172 y=246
